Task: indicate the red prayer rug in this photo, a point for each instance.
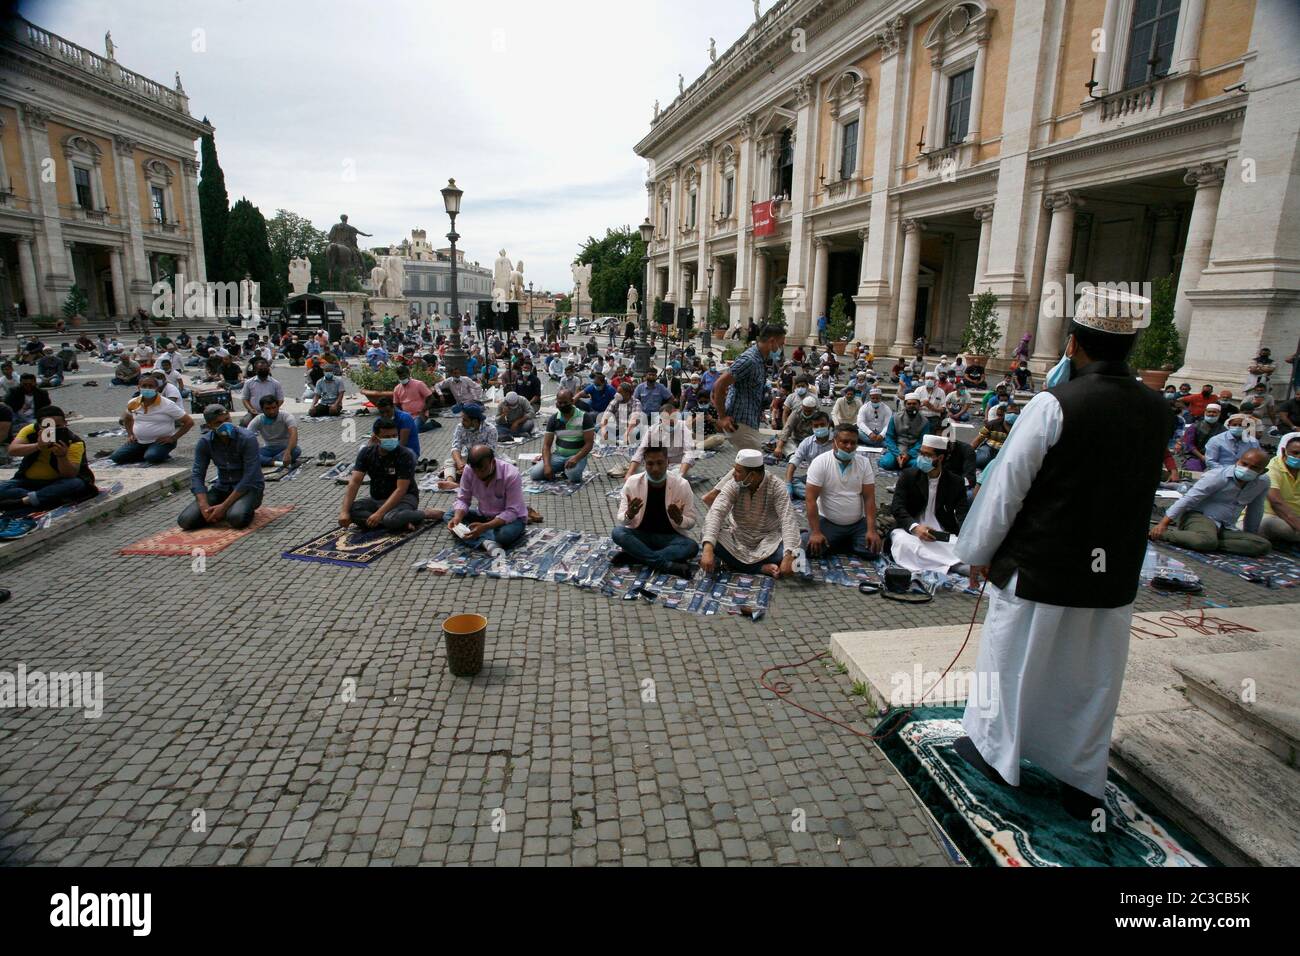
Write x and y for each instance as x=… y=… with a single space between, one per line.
x=178 y=543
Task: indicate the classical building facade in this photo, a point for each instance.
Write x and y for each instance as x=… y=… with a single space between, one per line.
x=916 y=152
x=427 y=276
x=98 y=178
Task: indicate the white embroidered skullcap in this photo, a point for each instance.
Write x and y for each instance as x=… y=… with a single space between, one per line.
x=1110 y=310
x=809 y=402
x=749 y=458
x=934 y=441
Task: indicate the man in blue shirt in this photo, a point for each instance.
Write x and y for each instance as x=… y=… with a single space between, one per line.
x=376 y=356
x=237 y=492
x=1205 y=519
x=408 y=429
x=597 y=395
x=651 y=393
x=1225 y=448
x=738 y=392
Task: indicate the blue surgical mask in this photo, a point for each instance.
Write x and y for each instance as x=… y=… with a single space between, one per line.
x=1211 y=418
x=924 y=463
x=656 y=481
x=1237 y=431
x=1060 y=374
x=822 y=433
x=842 y=455
x=148 y=394
x=388 y=444
x=1245 y=474
x=1292 y=462
x=226 y=429
x=801 y=392
x=1010 y=417
x=329 y=376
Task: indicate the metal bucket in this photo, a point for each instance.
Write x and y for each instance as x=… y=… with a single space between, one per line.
x=465 y=636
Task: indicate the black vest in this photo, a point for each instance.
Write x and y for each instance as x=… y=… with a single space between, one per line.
x=1081 y=534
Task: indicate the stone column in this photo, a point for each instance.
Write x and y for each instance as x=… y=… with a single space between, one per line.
x=58 y=279
x=1187 y=58
x=984 y=215
x=762 y=296
x=119 y=283
x=136 y=267
x=1108 y=20
x=933 y=137
x=1055 y=306
x=860 y=331
x=903 y=338
x=27 y=274
x=674 y=196
x=190 y=190
x=977 y=88
x=874 y=297
x=704 y=223
x=1208 y=180
x=823 y=262
x=740 y=298
x=794 y=297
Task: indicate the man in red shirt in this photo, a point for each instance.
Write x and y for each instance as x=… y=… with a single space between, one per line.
x=1197 y=401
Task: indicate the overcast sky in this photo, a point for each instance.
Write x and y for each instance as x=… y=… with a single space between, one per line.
x=327 y=106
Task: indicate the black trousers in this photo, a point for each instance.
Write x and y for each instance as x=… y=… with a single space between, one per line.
x=396 y=520
x=240 y=514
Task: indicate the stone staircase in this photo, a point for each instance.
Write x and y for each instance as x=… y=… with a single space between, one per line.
x=1222 y=761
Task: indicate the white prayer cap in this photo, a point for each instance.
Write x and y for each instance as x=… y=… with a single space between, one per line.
x=935 y=441
x=512 y=397
x=875 y=391
x=1110 y=310
x=914 y=396
x=1217 y=408
x=749 y=458
x=809 y=402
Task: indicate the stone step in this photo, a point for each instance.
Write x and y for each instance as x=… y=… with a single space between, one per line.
x=1253 y=692
x=1240 y=802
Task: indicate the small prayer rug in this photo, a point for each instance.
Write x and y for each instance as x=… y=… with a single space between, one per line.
x=1277 y=569
x=1025 y=826
x=562 y=487
x=178 y=543
x=351 y=547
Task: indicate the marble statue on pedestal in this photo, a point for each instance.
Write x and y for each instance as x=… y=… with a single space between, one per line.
x=517 y=282
x=299 y=274
x=582 y=280
x=501 y=271
x=633 y=298
x=394 y=276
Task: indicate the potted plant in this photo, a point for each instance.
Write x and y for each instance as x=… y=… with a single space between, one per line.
x=982 y=331
x=776 y=314
x=43 y=321
x=74 y=307
x=717 y=317
x=1158 y=350
x=839 y=326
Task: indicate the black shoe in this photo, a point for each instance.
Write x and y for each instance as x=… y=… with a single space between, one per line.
x=4 y=595
x=679 y=569
x=1080 y=805
x=965 y=748
x=620 y=559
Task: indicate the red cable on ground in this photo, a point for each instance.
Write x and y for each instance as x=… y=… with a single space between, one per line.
x=782 y=688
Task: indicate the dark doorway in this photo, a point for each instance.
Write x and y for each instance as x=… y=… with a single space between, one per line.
x=842 y=279
x=922 y=312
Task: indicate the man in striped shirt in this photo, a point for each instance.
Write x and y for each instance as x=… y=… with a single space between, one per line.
x=739 y=390
x=570 y=435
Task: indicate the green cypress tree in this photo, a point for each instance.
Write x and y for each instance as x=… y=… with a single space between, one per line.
x=247 y=250
x=214 y=210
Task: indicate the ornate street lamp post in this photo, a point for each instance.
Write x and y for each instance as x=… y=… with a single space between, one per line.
x=455 y=358
x=708 y=314
x=531 y=327
x=644 y=349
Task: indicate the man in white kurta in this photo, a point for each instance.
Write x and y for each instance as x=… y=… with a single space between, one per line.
x=1059 y=668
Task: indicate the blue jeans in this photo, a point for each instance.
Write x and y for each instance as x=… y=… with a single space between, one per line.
x=538 y=472
x=729 y=560
x=984 y=454
x=49 y=494
x=54 y=381
x=133 y=452
x=865 y=439
x=270 y=454
x=507 y=536
x=656 y=550
x=239 y=515
x=842 y=539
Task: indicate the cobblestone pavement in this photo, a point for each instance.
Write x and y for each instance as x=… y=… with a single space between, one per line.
x=224 y=705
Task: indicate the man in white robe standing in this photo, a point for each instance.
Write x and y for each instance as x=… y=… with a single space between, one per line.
x=1059 y=531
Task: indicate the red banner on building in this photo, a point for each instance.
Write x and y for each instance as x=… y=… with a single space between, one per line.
x=764 y=220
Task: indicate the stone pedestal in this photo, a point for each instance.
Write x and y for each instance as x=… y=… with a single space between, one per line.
x=351 y=304
x=399 y=309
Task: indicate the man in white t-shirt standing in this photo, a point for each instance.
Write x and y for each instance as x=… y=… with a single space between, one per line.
x=841 y=496
x=153 y=426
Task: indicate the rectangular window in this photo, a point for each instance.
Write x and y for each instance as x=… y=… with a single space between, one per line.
x=849 y=150
x=959 y=88
x=85 y=196
x=690 y=212
x=1151 y=41
x=159 y=204
x=728 y=196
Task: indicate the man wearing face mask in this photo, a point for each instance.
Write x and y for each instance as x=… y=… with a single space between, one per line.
x=1062 y=552
x=654 y=512
x=1197 y=435
x=929 y=506
x=738 y=392
x=841 y=493
x=812 y=447
x=1281 y=523
x=751 y=525
x=873 y=419
x=236 y=494
x=569 y=437
x=903 y=434
x=393 y=502
x=1205 y=519
x=671 y=434
x=153 y=426
x=846 y=407
x=798 y=426
x=327 y=396
x=1196 y=402
x=1225 y=448
x=258 y=386
x=932 y=401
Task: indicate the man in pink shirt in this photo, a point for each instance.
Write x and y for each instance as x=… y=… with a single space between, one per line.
x=412 y=396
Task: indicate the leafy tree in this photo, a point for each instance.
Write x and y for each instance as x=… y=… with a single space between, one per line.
x=615 y=264
x=289 y=236
x=1158 y=346
x=214 y=210
x=76 y=303
x=565 y=305
x=247 y=250
x=839 y=326
x=982 y=330
x=717 y=316
x=776 y=314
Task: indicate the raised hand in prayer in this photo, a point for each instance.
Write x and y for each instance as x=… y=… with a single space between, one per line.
x=633 y=507
x=675 y=514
